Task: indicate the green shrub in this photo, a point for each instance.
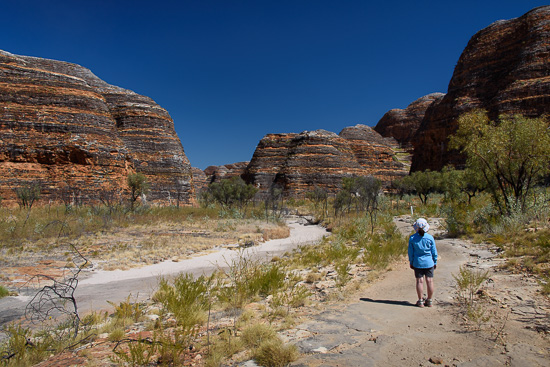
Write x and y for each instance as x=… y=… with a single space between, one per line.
x=23 y=353
x=342 y=274
x=458 y=218
x=384 y=247
x=187 y=298
x=116 y=335
x=468 y=282
x=273 y=353
x=545 y=283
x=139 y=354
x=127 y=312
x=268 y=278
x=256 y=334
x=4 y=292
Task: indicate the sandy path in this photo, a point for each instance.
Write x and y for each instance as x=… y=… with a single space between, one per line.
x=384 y=328
x=96 y=288
x=115 y=286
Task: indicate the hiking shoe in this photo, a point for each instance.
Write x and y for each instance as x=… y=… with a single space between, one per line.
x=420 y=303
x=428 y=303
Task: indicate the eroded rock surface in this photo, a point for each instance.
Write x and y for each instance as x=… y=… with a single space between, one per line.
x=504 y=69
x=402 y=124
x=62 y=126
x=296 y=163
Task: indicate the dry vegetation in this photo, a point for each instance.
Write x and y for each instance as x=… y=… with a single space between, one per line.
x=207 y=321
x=41 y=239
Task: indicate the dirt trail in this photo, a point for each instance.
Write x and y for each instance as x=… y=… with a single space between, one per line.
x=384 y=328
x=97 y=288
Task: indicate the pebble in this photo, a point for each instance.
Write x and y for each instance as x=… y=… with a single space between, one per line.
x=436 y=360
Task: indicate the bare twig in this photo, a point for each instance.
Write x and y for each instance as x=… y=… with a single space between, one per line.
x=57 y=298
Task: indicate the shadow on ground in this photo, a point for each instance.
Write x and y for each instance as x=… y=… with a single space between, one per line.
x=387 y=301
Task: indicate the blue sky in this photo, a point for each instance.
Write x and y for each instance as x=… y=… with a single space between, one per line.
x=229 y=72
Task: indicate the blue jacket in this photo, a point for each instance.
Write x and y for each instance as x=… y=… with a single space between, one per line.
x=422 y=251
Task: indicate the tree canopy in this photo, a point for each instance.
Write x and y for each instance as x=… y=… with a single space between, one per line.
x=511 y=154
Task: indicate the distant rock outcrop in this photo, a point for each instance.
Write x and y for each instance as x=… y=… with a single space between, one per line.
x=298 y=162
x=217 y=173
x=375 y=153
x=504 y=69
x=62 y=126
x=402 y=124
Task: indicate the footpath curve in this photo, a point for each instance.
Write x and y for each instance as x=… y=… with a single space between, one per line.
x=97 y=288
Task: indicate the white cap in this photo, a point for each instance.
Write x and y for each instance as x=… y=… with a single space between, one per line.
x=421 y=223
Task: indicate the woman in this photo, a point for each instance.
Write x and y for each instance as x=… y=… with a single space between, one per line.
x=423 y=259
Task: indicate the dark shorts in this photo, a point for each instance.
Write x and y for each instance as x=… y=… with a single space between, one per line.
x=420 y=273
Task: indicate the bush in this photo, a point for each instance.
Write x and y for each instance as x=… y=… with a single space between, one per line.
x=267 y=280
x=382 y=248
x=457 y=219
x=273 y=353
x=4 y=292
x=468 y=282
x=187 y=298
x=254 y=335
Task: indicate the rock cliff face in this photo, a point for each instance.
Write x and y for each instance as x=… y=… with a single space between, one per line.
x=375 y=153
x=62 y=126
x=200 y=181
x=505 y=69
x=298 y=162
x=402 y=124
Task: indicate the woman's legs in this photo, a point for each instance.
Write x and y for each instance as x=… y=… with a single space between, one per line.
x=420 y=287
x=430 y=286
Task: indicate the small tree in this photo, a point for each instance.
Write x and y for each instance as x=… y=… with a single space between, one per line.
x=512 y=154
x=232 y=192
x=369 y=194
x=27 y=195
x=138 y=185
x=273 y=201
x=473 y=183
x=401 y=187
x=454 y=183
x=319 y=197
x=359 y=192
x=423 y=183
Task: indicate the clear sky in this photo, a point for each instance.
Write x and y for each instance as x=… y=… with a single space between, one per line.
x=230 y=72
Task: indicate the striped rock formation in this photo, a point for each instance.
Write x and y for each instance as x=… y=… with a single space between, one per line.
x=298 y=162
x=504 y=69
x=65 y=128
x=402 y=124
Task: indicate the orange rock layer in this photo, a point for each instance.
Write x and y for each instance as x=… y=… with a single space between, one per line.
x=74 y=134
x=504 y=69
x=296 y=163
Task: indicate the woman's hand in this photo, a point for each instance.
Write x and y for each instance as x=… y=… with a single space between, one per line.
x=411 y=266
x=435 y=267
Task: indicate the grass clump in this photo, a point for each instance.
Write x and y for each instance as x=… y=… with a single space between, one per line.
x=468 y=283
x=267 y=348
x=4 y=292
x=127 y=312
x=274 y=353
x=384 y=246
x=254 y=335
